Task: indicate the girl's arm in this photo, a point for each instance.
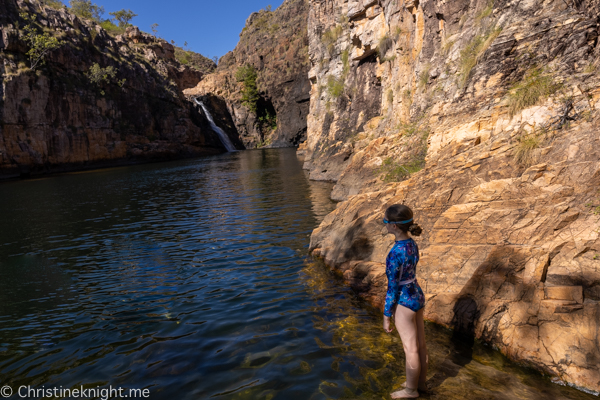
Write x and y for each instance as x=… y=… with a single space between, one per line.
x=395 y=265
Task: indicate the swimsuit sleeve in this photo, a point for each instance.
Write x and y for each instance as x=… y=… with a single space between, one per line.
x=394 y=269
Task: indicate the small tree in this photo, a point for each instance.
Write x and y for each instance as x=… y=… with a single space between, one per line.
x=247 y=75
x=123 y=17
x=100 y=76
x=40 y=44
x=154 y=30
x=86 y=9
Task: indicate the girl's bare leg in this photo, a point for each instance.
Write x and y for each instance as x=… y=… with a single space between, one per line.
x=406 y=324
x=423 y=356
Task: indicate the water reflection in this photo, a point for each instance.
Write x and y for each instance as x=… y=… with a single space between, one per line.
x=367 y=363
x=190 y=278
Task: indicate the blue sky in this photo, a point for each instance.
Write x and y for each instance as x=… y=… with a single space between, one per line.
x=210 y=27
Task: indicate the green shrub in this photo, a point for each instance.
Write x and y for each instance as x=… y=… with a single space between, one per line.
x=269 y=121
x=470 y=55
x=40 y=44
x=111 y=28
x=335 y=86
x=390 y=96
x=534 y=87
x=247 y=75
x=86 y=9
x=101 y=76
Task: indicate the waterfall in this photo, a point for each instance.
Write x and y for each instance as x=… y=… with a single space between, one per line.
x=222 y=135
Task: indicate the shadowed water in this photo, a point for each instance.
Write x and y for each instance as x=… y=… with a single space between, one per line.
x=190 y=279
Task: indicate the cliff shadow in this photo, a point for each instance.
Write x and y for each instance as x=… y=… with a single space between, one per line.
x=496 y=275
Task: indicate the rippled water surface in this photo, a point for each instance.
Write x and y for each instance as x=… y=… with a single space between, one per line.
x=190 y=279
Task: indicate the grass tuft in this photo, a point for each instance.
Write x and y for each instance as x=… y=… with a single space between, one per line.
x=424 y=76
x=525 y=153
x=335 y=86
x=385 y=44
x=470 y=55
x=415 y=135
x=331 y=36
x=533 y=88
x=486 y=12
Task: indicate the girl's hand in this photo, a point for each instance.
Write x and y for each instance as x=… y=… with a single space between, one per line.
x=387 y=324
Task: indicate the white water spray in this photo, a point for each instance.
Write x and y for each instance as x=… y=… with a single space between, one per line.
x=222 y=135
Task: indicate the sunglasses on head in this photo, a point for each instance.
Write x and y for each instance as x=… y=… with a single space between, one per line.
x=385 y=221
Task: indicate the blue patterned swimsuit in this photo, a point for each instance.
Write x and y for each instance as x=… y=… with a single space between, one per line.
x=400 y=266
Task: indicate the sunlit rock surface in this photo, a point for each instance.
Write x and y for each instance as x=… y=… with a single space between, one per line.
x=422 y=103
x=55 y=119
x=275 y=43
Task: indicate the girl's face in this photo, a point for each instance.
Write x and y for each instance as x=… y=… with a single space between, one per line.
x=391 y=228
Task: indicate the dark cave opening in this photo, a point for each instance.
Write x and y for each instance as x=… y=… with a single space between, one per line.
x=266 y=115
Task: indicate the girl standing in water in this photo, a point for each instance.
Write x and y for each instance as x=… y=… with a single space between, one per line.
x=405 y=301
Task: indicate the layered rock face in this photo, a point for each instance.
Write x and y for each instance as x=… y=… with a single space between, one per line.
x=482 y=117
x=54 y=118
x=275 y=43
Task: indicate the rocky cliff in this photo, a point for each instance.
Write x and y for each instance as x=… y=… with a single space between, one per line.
x=481 y=116
x=55 y=118
x=275 y=43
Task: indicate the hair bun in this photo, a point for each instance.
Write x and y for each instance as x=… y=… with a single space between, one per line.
x=415 y=229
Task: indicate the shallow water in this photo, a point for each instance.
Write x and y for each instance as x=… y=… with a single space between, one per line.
x=191 y=279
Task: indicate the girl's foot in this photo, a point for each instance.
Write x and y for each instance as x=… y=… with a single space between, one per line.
x=422 y=387
x=405 y=393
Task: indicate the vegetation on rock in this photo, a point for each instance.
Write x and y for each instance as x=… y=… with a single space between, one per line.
x=385 y=44
x=331 y=36
x=194 y=60
x=86 y=9
x=40 y=44
x=53 y=3
x=123 y=17
x=414 y=137
x=247 y=75
x=100 y=76
x=535 y=86
x=335 y=86
x=473 y=51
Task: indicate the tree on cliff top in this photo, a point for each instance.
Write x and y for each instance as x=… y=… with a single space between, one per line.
x=86 y=9
x=123 y=17
x=247 y=75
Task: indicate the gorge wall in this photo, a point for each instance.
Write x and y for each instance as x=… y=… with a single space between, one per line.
x=53 y=118
x=275 y=43
x=482 y=117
